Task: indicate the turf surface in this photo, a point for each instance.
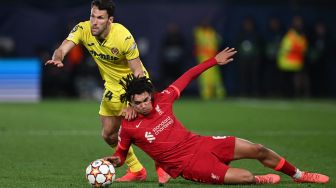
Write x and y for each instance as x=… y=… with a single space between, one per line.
x=49 y=144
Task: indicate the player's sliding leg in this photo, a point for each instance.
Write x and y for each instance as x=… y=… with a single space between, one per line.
x=242 y=176
x=135 y=172
x=300 y=176
x=247 y=150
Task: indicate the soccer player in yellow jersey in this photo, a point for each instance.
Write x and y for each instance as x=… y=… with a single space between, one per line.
x=114 y=50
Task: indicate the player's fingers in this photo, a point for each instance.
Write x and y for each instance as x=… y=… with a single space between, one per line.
x=229 y=60
x=48 y=62
x=231 y=50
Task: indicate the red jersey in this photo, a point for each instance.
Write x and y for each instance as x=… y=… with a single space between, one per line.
x=159 y=133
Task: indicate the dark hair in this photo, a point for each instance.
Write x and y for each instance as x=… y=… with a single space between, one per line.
x=134 y=85
x=107 y=5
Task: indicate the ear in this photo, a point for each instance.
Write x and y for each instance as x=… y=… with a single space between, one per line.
x=111 y=18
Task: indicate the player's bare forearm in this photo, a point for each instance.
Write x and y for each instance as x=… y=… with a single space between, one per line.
x=57 y=59
x=58 y=55
x=136 y=67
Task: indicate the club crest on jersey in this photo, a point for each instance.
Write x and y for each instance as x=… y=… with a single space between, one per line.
x=158 y=110
x=115 y=51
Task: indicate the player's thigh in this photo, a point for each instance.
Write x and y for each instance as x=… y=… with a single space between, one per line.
x=245 y=149
x=206 y=168
x=110 y=124
x=221 y=146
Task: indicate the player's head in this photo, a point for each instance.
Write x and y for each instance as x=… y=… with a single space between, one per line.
x=102 y=12
x=138 y=92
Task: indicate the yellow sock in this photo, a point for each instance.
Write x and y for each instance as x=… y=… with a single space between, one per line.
x=132 y=161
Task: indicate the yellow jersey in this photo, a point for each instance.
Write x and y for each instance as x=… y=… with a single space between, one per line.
x=111 y=55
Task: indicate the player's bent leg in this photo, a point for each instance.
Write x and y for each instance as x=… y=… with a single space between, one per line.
x=247 y=150
x=238 y=176
x=242 y=176
x=110 y=125
x=136 y=171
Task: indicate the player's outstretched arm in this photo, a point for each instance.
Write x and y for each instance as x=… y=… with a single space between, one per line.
x=60 y=53
x=222 y=58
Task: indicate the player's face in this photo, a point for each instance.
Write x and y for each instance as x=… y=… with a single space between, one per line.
x=100 y=22
x=142 y=103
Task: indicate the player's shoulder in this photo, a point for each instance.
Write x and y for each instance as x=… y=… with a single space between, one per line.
x=168 y=91
x=119 y=26
x=84 y=26
x=121 y=31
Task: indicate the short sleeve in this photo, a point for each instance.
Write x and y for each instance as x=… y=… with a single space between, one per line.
x=130 y=47
x=76 y=34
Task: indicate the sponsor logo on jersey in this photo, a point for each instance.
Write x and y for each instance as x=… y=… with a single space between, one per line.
x=149 y=136
x=158 y=110
x=138 y=125
x=163 y=125
x=103 y=56
x=115 y=51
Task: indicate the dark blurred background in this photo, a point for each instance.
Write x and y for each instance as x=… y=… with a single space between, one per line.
x=165 y=34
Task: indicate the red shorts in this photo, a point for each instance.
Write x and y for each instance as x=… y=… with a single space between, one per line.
x=210 y=163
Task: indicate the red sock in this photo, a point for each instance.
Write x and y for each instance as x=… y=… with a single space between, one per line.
x=285 y=167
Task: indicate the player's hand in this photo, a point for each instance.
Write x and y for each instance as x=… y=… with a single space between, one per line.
x=129 y=113
x=56 y=63
x=114 y=160
x=225 y=56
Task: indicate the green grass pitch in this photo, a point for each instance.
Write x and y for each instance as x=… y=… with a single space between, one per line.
x=49 y=144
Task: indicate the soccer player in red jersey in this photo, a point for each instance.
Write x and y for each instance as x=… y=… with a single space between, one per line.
x=180 y=152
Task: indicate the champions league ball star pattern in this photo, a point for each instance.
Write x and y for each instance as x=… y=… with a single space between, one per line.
x=100 y=173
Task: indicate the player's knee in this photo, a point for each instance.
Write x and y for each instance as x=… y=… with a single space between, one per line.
x=247 y=178
x=260 y=150
x=110 y=138
x=238 y=176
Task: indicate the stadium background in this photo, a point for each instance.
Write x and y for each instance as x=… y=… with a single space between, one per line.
x=49 y=143
x=37 y=27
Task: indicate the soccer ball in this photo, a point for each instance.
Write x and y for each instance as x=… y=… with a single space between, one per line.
x=100 y=173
